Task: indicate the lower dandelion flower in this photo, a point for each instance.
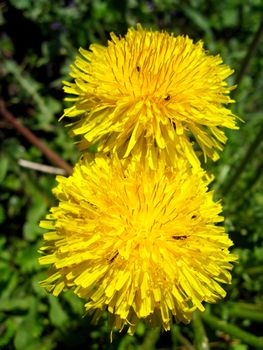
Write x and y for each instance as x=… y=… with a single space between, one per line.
x=139 y=243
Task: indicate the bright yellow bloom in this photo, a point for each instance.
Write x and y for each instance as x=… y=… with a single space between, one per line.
x=147 y=93
x=140 y=243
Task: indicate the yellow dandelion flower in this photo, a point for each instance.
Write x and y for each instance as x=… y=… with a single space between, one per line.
x=147 y=94
x=140 y=243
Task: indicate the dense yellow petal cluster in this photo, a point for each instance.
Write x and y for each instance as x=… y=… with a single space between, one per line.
x=140 y=243
x=148 y=94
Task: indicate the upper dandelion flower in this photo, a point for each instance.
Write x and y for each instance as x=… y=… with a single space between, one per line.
x=140 y=243
x=147 y=93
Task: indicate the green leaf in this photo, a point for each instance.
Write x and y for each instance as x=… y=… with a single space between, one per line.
x=57 y=315
x=29 y=330
x=239 y=347
x=8 y=329
x=4 y=167
x=15 y=304
x=2 y=214
x=29 y=85
x=37 y=211
x=74 y=301
x=27 y=259
x=93 y=148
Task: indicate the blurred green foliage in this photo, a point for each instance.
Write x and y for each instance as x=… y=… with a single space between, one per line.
x=39 y=40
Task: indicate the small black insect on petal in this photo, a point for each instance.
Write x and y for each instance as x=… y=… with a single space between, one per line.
x=167 y=98
x=114 y=257
x=179 y=237
x=138 y=68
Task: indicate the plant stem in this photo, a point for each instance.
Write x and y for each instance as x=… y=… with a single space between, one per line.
x=184 y=341
x=32 y=138
x=201 y=341
x=150 y=339
x=250 y=53
x=233 y=331
x=246 y=312
x=244 y=67
x=251 y=150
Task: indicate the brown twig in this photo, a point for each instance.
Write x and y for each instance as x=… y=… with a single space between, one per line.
x=51 y=155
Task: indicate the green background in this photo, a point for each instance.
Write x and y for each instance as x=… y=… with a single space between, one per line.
x=38 y=42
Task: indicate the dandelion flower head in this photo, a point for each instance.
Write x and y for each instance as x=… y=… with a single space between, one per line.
x=139 y=243
x=151 y=94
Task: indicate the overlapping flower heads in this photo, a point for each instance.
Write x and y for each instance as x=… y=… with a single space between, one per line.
x=136 y=229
